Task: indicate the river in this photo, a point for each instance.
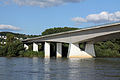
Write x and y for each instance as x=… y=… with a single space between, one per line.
x=59 y=69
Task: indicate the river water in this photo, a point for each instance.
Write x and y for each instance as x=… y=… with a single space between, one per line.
x=59 y=69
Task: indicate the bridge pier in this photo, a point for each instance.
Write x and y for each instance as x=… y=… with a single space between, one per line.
x=89 y=48
x=59 y=50
x=35 y=47
x=26 y=46
x=75 y=52
x=47 y=50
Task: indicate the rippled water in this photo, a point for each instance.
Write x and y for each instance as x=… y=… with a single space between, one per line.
x=59 y=69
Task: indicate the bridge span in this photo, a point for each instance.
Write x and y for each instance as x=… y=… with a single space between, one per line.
x=73 y=38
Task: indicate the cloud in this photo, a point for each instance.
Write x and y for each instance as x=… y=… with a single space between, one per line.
x=41 y=3
x=102 y=17
x=9 y=27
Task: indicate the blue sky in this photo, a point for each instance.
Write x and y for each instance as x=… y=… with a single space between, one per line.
x=34 y=16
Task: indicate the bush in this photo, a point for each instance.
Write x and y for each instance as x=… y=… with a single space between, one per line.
x=12 y=49
x=31 y=54
x=107 y=49
x=57 y=30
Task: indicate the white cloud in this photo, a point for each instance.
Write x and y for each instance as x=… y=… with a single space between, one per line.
x=102 y=17
x=41 y=3
x=9 y=27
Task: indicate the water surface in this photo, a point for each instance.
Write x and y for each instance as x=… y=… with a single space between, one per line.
x=59 y=69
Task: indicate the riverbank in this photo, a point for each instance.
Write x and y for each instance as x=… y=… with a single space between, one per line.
x=31 y=54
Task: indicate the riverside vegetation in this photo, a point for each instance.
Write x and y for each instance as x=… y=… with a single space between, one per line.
x=14 y=47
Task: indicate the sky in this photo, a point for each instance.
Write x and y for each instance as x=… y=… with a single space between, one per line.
x=34 y=16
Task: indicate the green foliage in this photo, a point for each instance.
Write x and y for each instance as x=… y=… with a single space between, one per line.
x=57 y=30
x=3 y=51
x=10 y=38
x=82 y=46
x=17 y=35
x=12 y=49
x=31 y=54
x=108 y=48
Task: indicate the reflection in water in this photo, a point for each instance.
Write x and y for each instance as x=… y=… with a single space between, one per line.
x=46 y=69
x=73 y=68
x=81 y=69
x=35 y=69
x=59 y=69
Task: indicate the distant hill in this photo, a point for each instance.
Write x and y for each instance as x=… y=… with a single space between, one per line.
x=58 y=30
x=18 y=35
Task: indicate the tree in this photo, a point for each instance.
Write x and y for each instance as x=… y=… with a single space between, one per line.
x=12 y=48
x=10 y=38
x=57 y=30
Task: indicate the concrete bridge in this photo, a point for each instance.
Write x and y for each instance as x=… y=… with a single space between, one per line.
x=88 y=35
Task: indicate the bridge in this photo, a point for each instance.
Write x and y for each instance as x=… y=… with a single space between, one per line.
x=73 y=38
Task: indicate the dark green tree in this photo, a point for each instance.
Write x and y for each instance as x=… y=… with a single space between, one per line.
x=57 y=30
x=12 y=48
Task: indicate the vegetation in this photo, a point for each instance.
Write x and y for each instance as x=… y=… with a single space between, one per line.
x=14 y=48
x=57 y=30
x=108 y=48
x=23 y=36
x=30 y=53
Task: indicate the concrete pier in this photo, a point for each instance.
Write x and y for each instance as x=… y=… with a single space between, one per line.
x=89 y=48
x=26 y=46
x=35 y=47
x=75 y=52
x=59 y=50
x=47 y=50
